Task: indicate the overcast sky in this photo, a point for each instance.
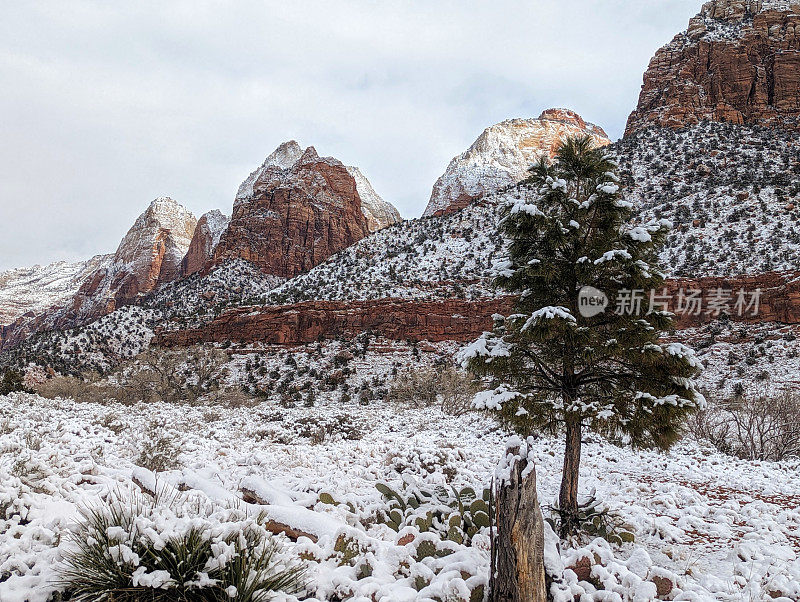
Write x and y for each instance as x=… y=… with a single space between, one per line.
x=105 y=106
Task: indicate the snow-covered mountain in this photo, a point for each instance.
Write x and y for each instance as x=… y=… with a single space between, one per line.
x=502 y=154
x=37 y=288
x=149 y=255
x=379 y=213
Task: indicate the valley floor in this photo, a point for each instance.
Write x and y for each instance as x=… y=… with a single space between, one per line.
x=715 y=527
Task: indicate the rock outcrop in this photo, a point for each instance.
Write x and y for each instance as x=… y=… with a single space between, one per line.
x=297 y=210
x=306 y=322
x=461 y=321
x=502 y=155
x=738 y=61
x=206 y=237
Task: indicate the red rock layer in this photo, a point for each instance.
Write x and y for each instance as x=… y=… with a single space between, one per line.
x=309 y=321
x=459 y=320
x=739 y=61
x=295 y=218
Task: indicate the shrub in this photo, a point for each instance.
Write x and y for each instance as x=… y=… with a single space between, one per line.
x=422 y=388
x=61 y=386
x=752 y=427
x=231 y=397
x=175 y=376
x=139 y=548
x=157 y=452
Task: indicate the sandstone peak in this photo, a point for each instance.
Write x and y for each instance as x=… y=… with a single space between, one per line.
x=207 y=234
x=298 y=209
x=310 y=154
x=290 y=155
x=502 y=154
x=163 y=219
x=738 y=61
x=149 y=255
x=285 y=155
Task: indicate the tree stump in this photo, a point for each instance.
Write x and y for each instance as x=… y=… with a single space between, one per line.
x=517 y=573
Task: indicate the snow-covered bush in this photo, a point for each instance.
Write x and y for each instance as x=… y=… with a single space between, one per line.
x=135 y=547
x=157 y=451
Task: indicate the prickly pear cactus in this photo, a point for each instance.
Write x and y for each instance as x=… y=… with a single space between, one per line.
x=454 y=514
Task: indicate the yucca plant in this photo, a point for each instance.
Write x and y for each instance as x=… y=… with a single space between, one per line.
x=133 y=549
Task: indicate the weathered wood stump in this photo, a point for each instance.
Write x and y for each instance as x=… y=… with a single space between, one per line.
x=517 y=573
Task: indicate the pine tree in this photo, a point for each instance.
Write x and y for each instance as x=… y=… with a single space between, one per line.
x=550 y=368
x=10 y=381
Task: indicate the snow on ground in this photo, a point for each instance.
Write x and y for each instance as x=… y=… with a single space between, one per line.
x=716 y=527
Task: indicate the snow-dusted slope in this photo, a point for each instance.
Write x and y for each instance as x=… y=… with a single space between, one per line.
x=732 y=192
x=502 y=155
x=37 y=288
x=440 y=257
x=378 y=212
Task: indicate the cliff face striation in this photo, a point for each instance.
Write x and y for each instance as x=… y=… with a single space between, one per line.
x=502 y=155
x=297 y=210
x=738 y=61
x=206 y=237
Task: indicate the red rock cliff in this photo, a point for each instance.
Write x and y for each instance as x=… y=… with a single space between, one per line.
x=462 y=321
x=293 y=213
x=205 y=240
x=739 y=61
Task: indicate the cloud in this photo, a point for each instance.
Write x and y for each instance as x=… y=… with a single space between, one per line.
x=106 y=106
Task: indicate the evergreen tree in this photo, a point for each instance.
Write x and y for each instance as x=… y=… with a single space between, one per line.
x=555 y=370
x=11 y=380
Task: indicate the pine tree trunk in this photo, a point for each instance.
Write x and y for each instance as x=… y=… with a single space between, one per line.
x=568 y=497
x=517 y=573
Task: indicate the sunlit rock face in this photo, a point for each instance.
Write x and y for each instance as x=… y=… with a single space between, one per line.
x=502 y=155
